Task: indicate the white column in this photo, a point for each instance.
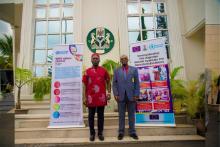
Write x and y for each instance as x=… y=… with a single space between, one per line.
x=175 y=38
x=27 y=29
x=78 y=21
x=13 y=51
x=26 y=43
x=122 y=28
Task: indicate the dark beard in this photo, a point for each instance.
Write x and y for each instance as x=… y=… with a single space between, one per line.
x=95 y=64
x=124 y=65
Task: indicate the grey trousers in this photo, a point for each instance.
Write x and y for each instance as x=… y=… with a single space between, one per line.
x=131 y=107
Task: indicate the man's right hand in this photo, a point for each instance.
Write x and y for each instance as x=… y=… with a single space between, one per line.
x=84 y=102
x=116 y=98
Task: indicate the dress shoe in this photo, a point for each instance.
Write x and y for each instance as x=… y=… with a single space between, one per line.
x=120 y=136
x=92 y=137
x=134 y=136
x=101 y=137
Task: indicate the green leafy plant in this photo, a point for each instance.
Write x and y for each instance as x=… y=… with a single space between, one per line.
x=195 y=98
x=6 y=49
x=41 y=87
x=22 y=77
x=178 y=90
x=110 y=66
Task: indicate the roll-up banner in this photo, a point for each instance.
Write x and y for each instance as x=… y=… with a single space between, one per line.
x=66 y=108
x=154 y=107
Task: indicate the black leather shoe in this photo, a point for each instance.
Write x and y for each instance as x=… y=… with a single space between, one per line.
x=101 y=137
x=134 y=136
x=92 y=137
x=120 y=136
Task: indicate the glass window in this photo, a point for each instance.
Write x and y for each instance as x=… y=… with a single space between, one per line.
x=41 y=27
x=39 y=71
x=67 y=12
x=160 y=8
x=49 y=71
x=41 y=2
x=40 y=13
x=148 y=35
x=132 y=8
x=67 y=39
x=53 y=27
x=54 y=1
x=134 y=37
x=67 y=26
x=161 y=22
x=148 y=22
x=49 y=56
x=68 y=1
x=146 y=8
x=53 y=40
x=133 y=23
x=147 y=17
x=40 y=41
x=163 y=34
x=40 y=56
x=54 y=12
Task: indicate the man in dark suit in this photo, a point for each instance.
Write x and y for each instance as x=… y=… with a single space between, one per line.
x=126 y=91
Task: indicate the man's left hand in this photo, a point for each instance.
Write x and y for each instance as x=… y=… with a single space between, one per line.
x=108 y=96
x=135 y=98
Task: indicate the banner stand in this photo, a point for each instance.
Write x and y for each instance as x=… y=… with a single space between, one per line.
x=66 y=107
x=154 y=106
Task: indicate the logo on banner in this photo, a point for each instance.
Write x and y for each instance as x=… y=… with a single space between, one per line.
x=100 y=40
x=136 y=48
x=154 y=46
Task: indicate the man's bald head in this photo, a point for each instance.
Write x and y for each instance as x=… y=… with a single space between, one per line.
x=124 y=60
x=123 y=57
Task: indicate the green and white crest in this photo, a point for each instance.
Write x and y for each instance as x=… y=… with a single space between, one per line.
x=100 y=40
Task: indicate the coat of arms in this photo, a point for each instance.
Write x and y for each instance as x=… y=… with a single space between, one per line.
x=100 y=40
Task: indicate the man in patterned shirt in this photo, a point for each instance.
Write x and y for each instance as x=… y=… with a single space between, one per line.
x=95 y=80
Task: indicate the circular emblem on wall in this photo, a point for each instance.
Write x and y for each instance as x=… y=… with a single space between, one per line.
x=100 y=40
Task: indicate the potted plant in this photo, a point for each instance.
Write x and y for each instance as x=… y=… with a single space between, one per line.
x=195 y=103
x=178 y=91
x=41 y=87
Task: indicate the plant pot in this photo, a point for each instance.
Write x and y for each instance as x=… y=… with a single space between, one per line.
x=200 y=126
x=21 y=111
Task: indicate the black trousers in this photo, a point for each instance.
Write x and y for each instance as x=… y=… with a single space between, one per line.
x=100 y=112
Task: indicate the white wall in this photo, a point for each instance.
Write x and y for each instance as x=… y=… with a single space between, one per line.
x=100 y=13
x=193 y=13
x=192 y=17
x=195 y=54
x=212 y=11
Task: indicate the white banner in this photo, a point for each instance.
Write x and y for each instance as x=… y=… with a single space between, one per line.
x=154 y=106
x=148 y=53
x=66 y=92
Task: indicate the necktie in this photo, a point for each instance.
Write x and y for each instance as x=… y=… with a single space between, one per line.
x=125 y=74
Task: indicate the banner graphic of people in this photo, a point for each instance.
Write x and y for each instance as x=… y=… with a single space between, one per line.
x=154 y=106
x=66 y=89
